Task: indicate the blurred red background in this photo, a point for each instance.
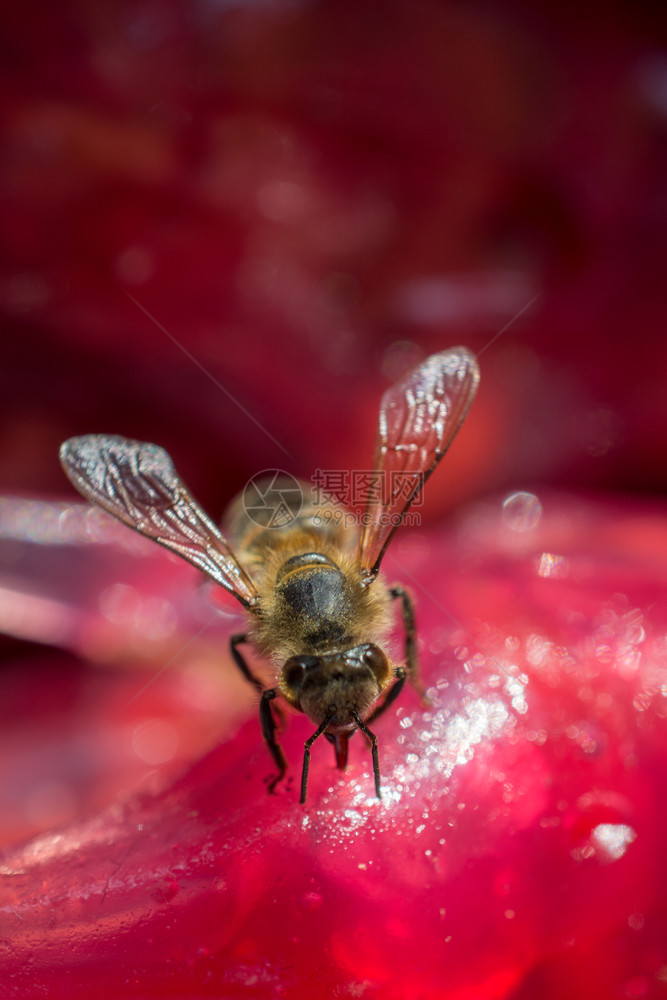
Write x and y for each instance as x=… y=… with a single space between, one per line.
x=306 y=196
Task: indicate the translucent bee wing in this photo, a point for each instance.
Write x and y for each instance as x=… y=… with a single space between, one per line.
x=139 y=485
x=419 y=419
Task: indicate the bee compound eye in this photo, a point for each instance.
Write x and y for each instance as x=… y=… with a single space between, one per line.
x=374 y=658
x=293 y=672
x=295 y=669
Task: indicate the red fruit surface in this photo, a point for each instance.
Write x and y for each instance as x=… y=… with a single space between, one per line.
x=517 y=850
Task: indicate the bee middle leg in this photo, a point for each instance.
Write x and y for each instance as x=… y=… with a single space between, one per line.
x=240 y=661
x=411 y=658
x=268 y=713
x=268 y=724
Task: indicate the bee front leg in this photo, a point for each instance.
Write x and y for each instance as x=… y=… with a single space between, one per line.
x=239 y=660
x=268 y=723
x=393 y=693
x=411 y=658
x=373 y=740
x=267 y=711
x=306 y=757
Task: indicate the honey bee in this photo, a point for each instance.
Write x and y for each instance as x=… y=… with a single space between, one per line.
x=315 y=606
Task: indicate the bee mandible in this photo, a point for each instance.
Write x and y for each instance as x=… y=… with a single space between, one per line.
x=316 y=607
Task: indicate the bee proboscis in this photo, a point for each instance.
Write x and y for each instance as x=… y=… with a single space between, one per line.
x=315 y=605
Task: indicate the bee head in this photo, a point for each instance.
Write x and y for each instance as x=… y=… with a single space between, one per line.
x=338 y=684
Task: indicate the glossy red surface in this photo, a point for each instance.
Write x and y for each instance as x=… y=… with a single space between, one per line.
x=519 y=846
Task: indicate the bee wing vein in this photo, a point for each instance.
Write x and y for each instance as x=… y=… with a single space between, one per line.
x=418 y=421
x=138 y=484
